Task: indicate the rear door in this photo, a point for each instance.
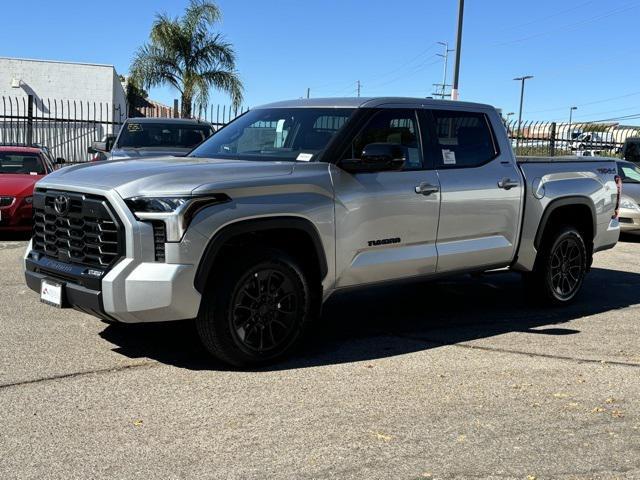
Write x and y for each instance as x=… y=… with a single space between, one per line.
x=481 y=189
x=386 y=222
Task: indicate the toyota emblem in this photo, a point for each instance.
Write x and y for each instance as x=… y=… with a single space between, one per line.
x=61 y=204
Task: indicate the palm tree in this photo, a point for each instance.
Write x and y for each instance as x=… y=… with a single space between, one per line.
x=184 y=53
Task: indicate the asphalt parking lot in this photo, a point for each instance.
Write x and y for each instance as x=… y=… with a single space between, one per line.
x=455 y=379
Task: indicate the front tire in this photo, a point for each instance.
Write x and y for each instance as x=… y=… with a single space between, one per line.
x=560 y=268
x=258 y=311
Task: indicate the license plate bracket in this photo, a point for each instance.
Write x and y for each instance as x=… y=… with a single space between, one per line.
x=51 y=292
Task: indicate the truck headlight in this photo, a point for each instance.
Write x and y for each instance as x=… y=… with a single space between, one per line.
x=176 y=212
x=629 y=204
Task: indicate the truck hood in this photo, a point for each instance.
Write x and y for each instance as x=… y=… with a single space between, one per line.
x=17 y=185
x=162 y=176
x=121 y=153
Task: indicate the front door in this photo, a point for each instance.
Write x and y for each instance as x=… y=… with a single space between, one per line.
x=386 y=222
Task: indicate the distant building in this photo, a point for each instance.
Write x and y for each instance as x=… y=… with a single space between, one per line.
x=51 y=81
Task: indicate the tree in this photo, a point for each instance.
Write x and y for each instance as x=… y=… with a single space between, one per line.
x=184 y=53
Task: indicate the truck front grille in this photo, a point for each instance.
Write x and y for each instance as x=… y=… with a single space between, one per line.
x=77 y=228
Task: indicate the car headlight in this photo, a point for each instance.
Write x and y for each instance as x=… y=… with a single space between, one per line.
x=176 y=212
x=629 y=204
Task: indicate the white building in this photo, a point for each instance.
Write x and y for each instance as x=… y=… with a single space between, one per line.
x=73 y=104
x=50 y=80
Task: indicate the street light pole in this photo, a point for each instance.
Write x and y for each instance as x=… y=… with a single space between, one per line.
x=570 y=121
x=521 y=79
x=456 y=75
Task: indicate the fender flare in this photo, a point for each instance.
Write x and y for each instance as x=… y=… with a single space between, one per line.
x=256 y=225
x=559 y=203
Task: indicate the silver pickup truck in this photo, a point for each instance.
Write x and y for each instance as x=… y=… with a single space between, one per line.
x=254 y=229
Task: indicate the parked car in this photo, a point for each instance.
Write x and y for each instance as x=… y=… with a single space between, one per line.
x=152 y=137
x=631 y=150
x=20 y=168
x=630 y=201
x=598 y=141
x=291 y=202
x=99 y=156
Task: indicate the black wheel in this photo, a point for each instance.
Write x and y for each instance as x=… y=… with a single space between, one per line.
x=560 y=268
x=258 y=311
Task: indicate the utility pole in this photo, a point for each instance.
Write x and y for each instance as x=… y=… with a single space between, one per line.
x=308 y=92
x=521 y=79
x=359 y=86
x=456 y=75
x=443 y=86
x=570 y=121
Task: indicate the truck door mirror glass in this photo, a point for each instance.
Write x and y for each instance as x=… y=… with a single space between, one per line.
x=377 y=157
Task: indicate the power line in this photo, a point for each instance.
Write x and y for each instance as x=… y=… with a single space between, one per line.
x=570 y=26
x=587 y=104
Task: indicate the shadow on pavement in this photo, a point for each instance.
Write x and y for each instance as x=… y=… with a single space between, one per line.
x=387 y=321
x=7 y=236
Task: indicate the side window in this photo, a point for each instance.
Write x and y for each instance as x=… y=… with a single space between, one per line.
x=391 y=126
x=465 y=139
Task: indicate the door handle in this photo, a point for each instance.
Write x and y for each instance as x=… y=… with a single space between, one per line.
x=427 y=189
x=508 y=184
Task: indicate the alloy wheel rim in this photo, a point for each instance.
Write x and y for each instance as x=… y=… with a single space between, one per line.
x=567 y=267
x=264 y=310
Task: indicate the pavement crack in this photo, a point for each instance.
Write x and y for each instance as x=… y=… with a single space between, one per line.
x=81 y=374
x=518 y=352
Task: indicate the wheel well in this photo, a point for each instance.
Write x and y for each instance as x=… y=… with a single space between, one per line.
x=578 y=215
x=301 y=242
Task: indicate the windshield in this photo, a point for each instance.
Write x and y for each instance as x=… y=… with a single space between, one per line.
x=287 y=134
x=21 y=163
x=167 y=135
x=629 y=173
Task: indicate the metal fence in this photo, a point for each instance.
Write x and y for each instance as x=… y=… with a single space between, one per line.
x=556 y=139
x=67 y=127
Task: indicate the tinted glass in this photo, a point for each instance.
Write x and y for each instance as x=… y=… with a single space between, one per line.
x=394 y=127
x=465 y=139
x=21 y=163
x=276 y=134
x=149 y=135
x=629 y=173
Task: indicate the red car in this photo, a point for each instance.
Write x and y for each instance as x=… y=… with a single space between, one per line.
x=20 y=169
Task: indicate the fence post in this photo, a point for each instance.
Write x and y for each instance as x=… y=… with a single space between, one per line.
x=176 y=114
x=552 y=140
x=29 y=120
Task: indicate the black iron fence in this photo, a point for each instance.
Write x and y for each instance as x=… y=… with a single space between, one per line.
x=66 y=127
x=556 y=139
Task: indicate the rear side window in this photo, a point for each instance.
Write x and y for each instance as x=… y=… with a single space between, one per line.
x=465 y=139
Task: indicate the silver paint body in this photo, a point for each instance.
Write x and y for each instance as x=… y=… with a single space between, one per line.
x=469 y=225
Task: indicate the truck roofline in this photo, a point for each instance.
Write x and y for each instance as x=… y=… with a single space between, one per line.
x=372 y=102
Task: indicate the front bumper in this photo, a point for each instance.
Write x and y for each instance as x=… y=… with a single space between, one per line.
x=17 y=216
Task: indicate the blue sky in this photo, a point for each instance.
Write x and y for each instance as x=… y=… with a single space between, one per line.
x=581 y=52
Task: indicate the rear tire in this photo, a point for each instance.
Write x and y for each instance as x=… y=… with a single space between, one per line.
x=560 y=268
x=258 y=310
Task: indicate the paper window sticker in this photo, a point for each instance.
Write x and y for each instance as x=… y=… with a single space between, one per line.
x=305 y=157
x=448 y=157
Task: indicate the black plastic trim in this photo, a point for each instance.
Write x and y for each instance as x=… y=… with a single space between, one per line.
x=257 y=225
x=559 y=203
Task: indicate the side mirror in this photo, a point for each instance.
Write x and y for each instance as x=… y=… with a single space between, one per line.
x=60 y=161
x=99 y=147
x=377 y=157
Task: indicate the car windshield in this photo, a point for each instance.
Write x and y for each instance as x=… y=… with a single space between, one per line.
x=21 y=163
x=629 y=173
x=286 y=134
x=168 y=135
